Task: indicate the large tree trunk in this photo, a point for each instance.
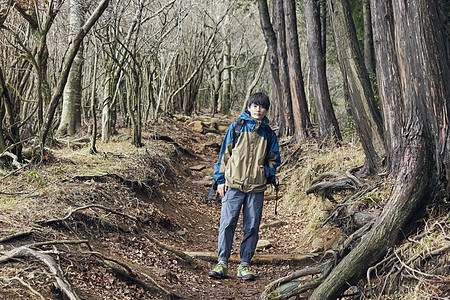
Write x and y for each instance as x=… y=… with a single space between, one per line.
x=389 y=86
x=71 y=108
x=300 y=112
x=367 y=116
x=328 y=127
x=286 y=99
x=420 y=176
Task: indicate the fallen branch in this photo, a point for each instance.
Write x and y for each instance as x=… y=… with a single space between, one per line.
x=55 y=270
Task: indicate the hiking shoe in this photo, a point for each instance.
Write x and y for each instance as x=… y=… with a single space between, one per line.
x=220 y=271
x=244 y=272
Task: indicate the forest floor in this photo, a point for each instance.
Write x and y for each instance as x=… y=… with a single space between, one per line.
x=117 y=224
x=163 y=185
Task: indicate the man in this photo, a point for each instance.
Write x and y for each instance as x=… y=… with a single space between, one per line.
x=241 y=173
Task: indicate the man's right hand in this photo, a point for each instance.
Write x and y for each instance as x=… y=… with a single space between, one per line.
x=221 y=189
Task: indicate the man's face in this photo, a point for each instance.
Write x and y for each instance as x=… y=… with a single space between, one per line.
x=257 y=112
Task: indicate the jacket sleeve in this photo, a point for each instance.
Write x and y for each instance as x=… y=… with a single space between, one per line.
x=225 y=153
x=273 y=156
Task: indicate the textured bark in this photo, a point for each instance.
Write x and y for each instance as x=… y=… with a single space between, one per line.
x=286 y=99
x=389 y=86
x=271 y=42
x=300 y=112
x=71 y=107
x=420 y=175
x=106 y=105
x=328 y=127
x=323 y=25
x=366 y=114
x=92 y=146
x=226 y=78
x=226 y=74
x=369 y=59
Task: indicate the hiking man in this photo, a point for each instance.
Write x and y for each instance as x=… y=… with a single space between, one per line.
x=244 y=168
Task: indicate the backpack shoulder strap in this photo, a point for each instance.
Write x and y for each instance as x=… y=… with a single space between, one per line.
x=237 y=129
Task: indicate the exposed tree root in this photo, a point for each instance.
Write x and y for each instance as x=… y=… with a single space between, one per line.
x=138 y=223
x=126 y=272
x=135 y=185
x=116 y=266
x=389 y=273
x=46 y=259
x=286 y=287
x=325 y=185
x=326 y=189
x=25 y=284
x=176 y=145
x=15 y=236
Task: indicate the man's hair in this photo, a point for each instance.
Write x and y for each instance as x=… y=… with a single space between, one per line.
x=259 y=99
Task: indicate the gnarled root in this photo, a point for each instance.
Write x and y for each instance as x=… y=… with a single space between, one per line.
x=46 y=259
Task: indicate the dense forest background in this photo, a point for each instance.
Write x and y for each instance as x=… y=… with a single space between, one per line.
x=376 y=73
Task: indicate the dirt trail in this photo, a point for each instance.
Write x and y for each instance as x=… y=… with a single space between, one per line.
x=155 y=184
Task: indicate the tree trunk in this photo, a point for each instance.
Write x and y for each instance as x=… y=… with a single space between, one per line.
x=66 y=68
x=328 y=127
x=286 y=99
x=271 y=42
x=323 y=26
x=11 y=112
x=300 y=112
x=106 y=104
x=71 y=108
x=226 y=78
x=425 y=97
x=367 y=116
x=92 y=147
x=368 y=38
x=389 y=86
x=215 y=90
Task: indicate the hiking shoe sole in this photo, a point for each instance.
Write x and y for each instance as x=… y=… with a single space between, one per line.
x=247 y=277
x=216 y=275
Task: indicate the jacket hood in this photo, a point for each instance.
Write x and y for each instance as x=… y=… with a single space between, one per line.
x=245 y=115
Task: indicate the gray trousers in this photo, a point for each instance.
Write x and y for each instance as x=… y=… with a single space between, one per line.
x=252 y=205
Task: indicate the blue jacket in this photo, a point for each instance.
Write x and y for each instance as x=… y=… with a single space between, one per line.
x=253 y=159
